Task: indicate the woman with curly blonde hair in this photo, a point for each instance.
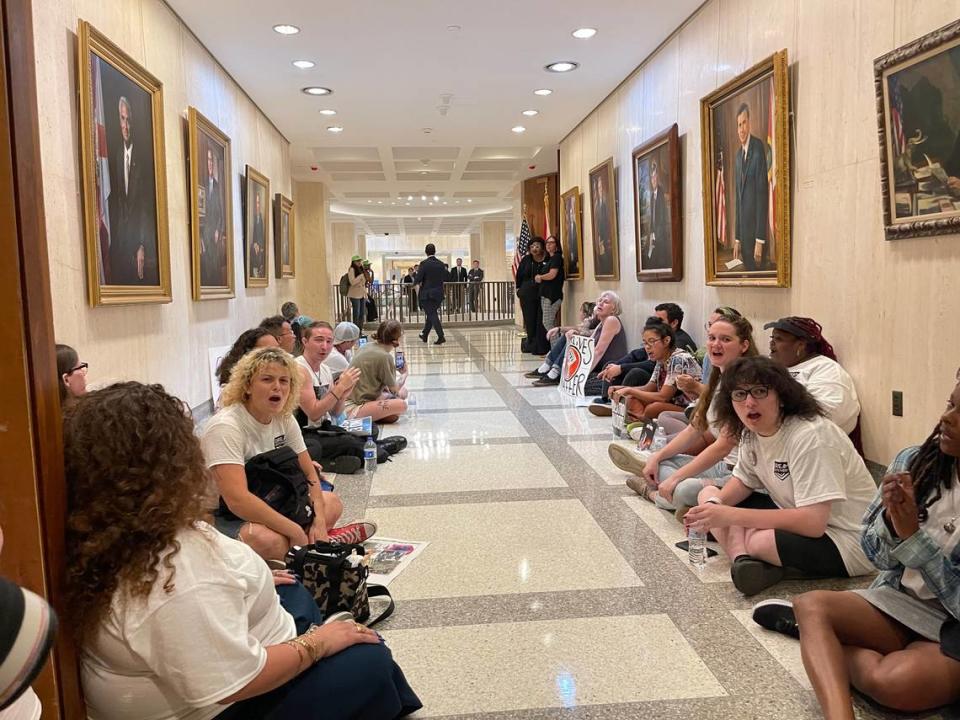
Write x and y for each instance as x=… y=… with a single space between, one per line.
x=175 y=620
x=257 y=417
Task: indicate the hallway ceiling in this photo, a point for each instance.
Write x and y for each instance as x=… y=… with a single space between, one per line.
x=427 y=92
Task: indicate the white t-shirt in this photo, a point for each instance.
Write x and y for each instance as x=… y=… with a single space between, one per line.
x=174 y=656
x=731 y=458
x=808 y=462
x=337 y=361
x=833 y=388
x=233 y=436
x=942 y=513
x=26 y=707
x=322 y=379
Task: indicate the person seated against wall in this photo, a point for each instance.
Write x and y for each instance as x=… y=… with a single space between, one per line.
x=672 y=314
x=291 y=313
x=702 y=453
x=610 y=341
x=72 y=374
x=661 y=394
x=248 y=340
x=798 y=343
x=176 y=620
x=897 y=642
x=345 y=337
x=256 y=416
x=378 y=393
x=557 y=336
x=281 y=330
x=799 y=488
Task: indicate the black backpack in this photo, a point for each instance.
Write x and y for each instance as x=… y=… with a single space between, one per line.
x=344 y=285
x=276 y=478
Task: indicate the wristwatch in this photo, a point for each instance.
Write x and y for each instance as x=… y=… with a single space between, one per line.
x=715 y=500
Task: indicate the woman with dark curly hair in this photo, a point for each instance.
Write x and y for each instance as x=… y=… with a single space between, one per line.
x=175 y=620
x=248 y=340
x=816 y=485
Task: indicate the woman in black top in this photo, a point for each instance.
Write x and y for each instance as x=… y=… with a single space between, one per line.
x=550 y=280
x=528 y=292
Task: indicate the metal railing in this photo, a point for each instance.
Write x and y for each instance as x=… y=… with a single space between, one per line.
x=467 y=302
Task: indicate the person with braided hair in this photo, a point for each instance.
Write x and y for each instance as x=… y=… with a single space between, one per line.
x=799 y=345
x=898 y=641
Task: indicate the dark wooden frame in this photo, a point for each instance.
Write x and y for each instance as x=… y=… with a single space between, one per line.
x=284 y=206
x=260 y=179
x=606 y=167
x=671 y=138
x=776 y=68
x=573 y=192
x=902 y=58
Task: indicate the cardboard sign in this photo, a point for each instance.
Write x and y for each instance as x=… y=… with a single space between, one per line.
x=214 y=356
x=576 y=365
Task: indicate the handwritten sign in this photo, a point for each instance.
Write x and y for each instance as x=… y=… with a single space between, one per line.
x=576 y=365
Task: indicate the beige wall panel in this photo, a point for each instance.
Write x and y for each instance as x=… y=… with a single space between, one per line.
x=313 y=276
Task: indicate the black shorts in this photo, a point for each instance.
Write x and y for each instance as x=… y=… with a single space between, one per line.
x=814 y=557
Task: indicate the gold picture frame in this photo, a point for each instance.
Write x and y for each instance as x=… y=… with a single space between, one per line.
x=256 y=229
x=123 y=174
x=748 y=193
x=211 y=209
x=658 y=208
x=571 y=232
x=603 y=221
x=284 y=237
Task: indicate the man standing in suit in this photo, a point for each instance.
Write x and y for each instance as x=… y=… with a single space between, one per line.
x=258 y=246
x=752 y=203
x=458 y=274
x=660 y=249
x=475 y=277
x=133 y=248
x=213 y=259
x=430 y=277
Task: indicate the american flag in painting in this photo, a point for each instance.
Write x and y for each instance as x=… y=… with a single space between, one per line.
x=102 y=168
x=523 y=246
x=896 y=116
x=771 y=184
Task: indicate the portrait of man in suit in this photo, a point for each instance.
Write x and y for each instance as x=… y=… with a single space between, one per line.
x=572 y=239
x=213 y=243
x=658 y=253
x=284 y=239
x=603 y=221
x=751 y=190
x=258 y=237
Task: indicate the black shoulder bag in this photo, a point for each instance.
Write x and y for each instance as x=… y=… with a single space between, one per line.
x=276 y=478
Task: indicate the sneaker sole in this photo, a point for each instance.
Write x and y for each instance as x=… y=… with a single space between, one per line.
x=626 y=459
x=771 y=603
x=600 y=410
x=754 y=576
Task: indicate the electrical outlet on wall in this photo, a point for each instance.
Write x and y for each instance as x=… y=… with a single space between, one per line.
x=898 y=403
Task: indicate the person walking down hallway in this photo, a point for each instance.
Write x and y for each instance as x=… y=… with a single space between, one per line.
x=358 y=290
x=528 y=292
x=430 y=277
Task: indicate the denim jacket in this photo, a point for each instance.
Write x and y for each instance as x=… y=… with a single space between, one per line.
x=891 y=555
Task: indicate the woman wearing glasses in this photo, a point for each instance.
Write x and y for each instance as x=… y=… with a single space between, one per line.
x=798 y=491
x=72 y=374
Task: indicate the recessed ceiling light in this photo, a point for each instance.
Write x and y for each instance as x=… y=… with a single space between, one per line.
x=286 y=29
x=430 y=204
x=304 y=64
x=436 y=198
x=327 y=111
x=543 y=92
x=423 y=197
x=518 y=129
x=454 y=28
x=531 y=113
x=584 y=33
x=379 y=202
x=561 y=66
x=469 y=200
x=409 y=197
x=316 y=91
x=444 y=202
x=335 y=129
x=423 y=172
x=369 y=201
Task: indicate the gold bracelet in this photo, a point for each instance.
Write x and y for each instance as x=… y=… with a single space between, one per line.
x=300 y=652
x=311 y=651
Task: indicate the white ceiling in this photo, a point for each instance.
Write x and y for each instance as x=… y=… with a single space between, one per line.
x=396 y=70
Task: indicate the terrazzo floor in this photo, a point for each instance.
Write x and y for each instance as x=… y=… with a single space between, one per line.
x=550 y=590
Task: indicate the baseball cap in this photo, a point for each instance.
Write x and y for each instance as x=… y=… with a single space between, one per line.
x=366 y=263
x=356 y=258
x=345 y=332
x=788 y=325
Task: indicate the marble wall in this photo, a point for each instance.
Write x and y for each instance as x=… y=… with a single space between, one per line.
x=156 y=343
x=886 y=307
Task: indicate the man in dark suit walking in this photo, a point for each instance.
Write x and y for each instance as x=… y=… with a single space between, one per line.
x=660 y=250
x=752 y=196
x=430 y=277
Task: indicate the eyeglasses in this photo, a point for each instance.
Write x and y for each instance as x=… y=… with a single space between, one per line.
x=758 y=392
x=78 y=368
x=651 y=343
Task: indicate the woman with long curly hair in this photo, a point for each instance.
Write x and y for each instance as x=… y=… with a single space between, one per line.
x=798 y=490
x=898 y=641
x=175 y=620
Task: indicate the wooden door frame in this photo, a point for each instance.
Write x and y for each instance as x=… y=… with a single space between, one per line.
x=33 y=504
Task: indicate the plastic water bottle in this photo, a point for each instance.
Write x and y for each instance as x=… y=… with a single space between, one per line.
x=697 y=548
x=659 y=439
x=619 y=419
x=370 y=456
x=412 y=406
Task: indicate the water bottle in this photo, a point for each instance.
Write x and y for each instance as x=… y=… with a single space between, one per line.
x=619 y=419
x=412 y=406
x=697 y=548
x=369 y=456
x=659 y=439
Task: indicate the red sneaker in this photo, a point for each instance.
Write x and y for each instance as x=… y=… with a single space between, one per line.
x=353 y=533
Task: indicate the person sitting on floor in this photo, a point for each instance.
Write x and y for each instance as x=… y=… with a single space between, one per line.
x=672 y=315
x=248 y=340
x=610 y=341
x=321 y=398
x=257 y=417
x=345 y=337
x=898 y=642
x=282 y=331
x=378 y=393
x=72 y=374
x=174 y=619
x=798 y=343
x=799 y=488
x=661 y=393
x=558 y=336
x=701 y=454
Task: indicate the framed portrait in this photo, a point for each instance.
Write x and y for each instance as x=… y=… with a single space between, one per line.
x=746 y=177
x=211 y=209
x=571 y=232
x=256 y=235
x=124 y=177
x=919 y=127
x=283 y=237
x=657 y=198
x=603 y=221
